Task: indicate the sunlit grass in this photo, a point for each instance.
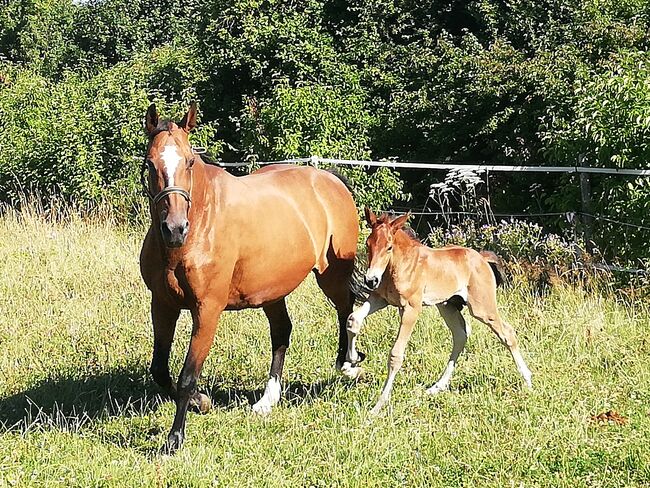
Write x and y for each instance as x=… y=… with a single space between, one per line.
x=79 y=408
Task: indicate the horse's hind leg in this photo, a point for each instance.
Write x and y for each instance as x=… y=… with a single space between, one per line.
x=456 y=323
x=280 y=325
x=483 y=307
x=334 y=282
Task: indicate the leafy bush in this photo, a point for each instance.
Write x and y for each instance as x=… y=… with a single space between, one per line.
x=538 y=259
x=83 y=139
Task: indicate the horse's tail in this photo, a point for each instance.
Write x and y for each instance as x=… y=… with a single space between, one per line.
x=357 y=282
x=496 y=263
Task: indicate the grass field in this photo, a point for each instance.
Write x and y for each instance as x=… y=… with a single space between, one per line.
x=79 y=407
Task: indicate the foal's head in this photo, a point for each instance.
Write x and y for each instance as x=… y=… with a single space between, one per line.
x=168 y=163
x=380 y=244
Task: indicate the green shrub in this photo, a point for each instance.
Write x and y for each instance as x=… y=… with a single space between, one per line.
x=82 y=139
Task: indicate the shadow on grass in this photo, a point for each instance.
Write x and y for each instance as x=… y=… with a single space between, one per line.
x=69 y=403
x=295 y=393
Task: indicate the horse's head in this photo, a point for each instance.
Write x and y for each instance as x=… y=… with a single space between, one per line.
x=168 y=179
x=380 y=244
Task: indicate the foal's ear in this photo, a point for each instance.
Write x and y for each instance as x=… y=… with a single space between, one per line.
x=399 y=222
x=371 y=218
x=151 y=119
x=189 y=121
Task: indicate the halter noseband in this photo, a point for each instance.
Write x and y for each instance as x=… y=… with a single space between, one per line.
x=162 y=193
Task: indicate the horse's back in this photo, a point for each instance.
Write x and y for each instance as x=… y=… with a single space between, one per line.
x=322 y=202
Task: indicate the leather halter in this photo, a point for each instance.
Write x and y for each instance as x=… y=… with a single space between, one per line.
x=168 y=190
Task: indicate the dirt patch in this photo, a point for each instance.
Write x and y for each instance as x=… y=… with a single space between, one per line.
x=609 y=418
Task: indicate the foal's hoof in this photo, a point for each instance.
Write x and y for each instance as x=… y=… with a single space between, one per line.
x=351 y=372
x=173 y=444
x=201 y=403
x=435 y=389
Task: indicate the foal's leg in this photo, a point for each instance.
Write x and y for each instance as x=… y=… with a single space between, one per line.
x=456 y=323
x=350 y=367
x=205 y=319
x=280 y=324
x=483 y=307
x=409 y=315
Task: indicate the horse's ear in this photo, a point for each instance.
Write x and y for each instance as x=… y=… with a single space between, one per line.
x=189 y=121
x=371 y=218
x=151 y=119
x=399 y=222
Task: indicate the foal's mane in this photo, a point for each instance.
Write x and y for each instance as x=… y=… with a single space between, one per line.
x=386 y=218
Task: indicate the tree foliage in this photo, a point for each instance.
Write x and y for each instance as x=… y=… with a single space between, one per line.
x=527 y=82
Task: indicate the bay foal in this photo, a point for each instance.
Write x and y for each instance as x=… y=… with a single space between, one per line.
x=218 y=242
x=406 y=274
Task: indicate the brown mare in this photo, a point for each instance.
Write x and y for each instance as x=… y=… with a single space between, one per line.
x=218 y=242
x=406 y=274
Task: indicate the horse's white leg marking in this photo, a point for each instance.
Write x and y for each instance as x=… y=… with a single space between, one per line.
x=172 y=159
x=355 y=322
x=522 y=367
x=459 y=332
x=271 y=397
x=408 y=317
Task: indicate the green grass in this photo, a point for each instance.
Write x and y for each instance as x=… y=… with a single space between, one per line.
x=80 y=409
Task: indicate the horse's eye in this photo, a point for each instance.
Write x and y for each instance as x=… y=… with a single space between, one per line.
x=191 y=162
x=389 y=248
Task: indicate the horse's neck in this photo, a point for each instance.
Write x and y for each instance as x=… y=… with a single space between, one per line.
x=209 y=182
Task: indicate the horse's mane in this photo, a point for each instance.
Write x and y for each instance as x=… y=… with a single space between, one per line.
x=341 y=177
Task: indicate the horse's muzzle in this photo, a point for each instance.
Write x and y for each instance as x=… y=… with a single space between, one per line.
x=174 y=234
x=372 y=282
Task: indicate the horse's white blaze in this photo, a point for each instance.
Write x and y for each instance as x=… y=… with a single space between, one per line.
x=172 y=159
x=271 y=397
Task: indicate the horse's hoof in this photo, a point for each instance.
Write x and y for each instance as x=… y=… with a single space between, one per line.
x=173 y=444
x=375 y=410
x=201 y=403
x=351 y=372
x=263 y=407
x=435 y=389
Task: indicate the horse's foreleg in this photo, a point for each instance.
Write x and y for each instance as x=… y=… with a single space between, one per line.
x=409 y=315
x=456 y=323
x=355 y=320
x=164 y=324
x=205 y=320
x=280 y=326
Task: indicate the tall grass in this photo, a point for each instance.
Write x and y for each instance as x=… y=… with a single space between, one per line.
x=78 y=407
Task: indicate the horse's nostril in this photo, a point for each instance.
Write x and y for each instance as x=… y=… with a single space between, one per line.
x=372 y=282
x=166 y=231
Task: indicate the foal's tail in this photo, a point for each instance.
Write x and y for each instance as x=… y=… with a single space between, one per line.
x=496 y=263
